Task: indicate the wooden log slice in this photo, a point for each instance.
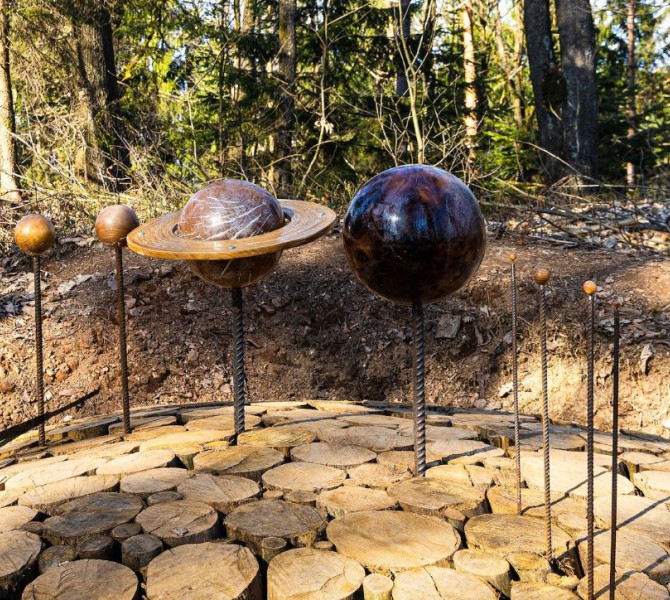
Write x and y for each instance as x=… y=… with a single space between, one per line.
x=629 y=586
x=377 y=587
x=205 y=412
x=13 y=517
x=374 y=475
x=139 y=550
x=180 y=522
x=626 y=443
x=245 y=461
x=89 y=579
x=58 y=471
x=470 y=452
x=634 y=552
x=333 y=455
x=250 y=523
x=35 y=527
x=163 y=497
x=319 y=427
x=55 y=556
x=142 y=424
x=503 y=501
x=303 y=477
x=541 y=591
x=378 y=420
x=308 y=498
x=108 y=450
x=146 y=483
x=121 y=533
x=26 y=466
x=429 y=496
x=444 y=434
x=139 y=461
x=469 y=475
x=143 y=435
x=273 y=495
x=343 y=407
x=172 y=440
x=529 y=566
x=643 y=461
x=349 y=499
x=389 y=541
x=377 y=439
x=403 y=459
x=47 y=498
x=438 y=583
x=486 y=566
x=653 y=484
x=505 y=534
x=280 y=438
x=223 y=493
x=90 y=515
x=8 y=498
x=211 y=571
x=224 y=423
x=309 y=574
x=82 y=431
x=296 y=415
x=100 y=547
x=18 y=558
x=634 y=513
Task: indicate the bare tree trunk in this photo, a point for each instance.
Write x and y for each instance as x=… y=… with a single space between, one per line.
x=402 y=57
x=510 y=78
x=548 y=85
x=632 y=108
x=580 y=112
x=103 y=159
x=287 y=76
x=9 y=187
x=470 y=71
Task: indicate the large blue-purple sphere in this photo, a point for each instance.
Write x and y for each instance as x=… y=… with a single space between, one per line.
x=414 y=233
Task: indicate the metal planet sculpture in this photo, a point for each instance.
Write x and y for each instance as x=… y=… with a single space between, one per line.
x=415 y=234
x=231 y=233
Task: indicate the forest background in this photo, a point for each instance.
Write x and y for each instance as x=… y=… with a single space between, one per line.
x=142 y=102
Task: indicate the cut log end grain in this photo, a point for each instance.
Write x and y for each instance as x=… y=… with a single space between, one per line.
x=487 y=566
x=139 y=550
x=18 y=560
x=146 y=483
x=137 y=462
x=349 y=499
x=281 y=438
x=97 y=546
x=55 y=556
x=440 y=583
x=333 y=455
x=48 y=498
x=244 y=461
x=223 y=493
x=377 y=476
x=303 y=477
x=540 y=591
x=14 y=517
x=377 y=587
x=430 y=496
x=181 y=522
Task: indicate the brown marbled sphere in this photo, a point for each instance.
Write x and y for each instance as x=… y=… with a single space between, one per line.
x=541 y=276
x=34 y=234
x=114 y=223
x=228 y=210
x=414 y=233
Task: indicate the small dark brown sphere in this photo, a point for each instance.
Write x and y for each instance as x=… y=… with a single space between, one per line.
x=617 y=302
x=114 y=223
x=589 y=288
x=414 y=234
x=34 y=234
x=541 y=276
x=228 y=210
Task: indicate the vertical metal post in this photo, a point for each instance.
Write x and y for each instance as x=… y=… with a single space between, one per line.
x=123 y=347
x=418 y=347
x=238 y=359
x=39 y=357
x=614 y=525
x=515 y=386
x=590 y=289
x=541 y=278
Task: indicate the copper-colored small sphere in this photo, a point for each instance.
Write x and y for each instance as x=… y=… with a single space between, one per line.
x=114 y=223
x=34 y=234
x=541 y=276
x=617 y=302
x=589 y=288
x=512 y=257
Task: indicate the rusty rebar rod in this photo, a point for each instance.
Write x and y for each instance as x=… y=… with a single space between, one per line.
x=39 y=356
x=123 y=344
x=542 y=278
x=515 y=386
x=239 y=380
x=590 y=290
x=419 y=352
x=614 y=525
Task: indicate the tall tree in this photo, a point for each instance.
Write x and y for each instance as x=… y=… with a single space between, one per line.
x=470 y=71
x=287 y=70
x=632 y=100
x=403 y=55
x=9 y=188
x=580 y=110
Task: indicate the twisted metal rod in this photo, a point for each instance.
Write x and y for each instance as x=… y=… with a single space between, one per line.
x=545 y=424
x=238 y=359
x=589 y=449
x=123 y=347
x=39 y=357
x=419 y=351
x=614 y=526
x=515 y=386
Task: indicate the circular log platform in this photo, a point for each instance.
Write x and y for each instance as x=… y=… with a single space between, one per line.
x=303 y=477
x=438 y=583
x=47 y=498
x=223 y=493
x=146 y=483
x=634 y=513
x=180 y=522
x=90 y=579
x=349 y=499
x=309 y=574
x=245 y=461
x=629 y=586
x=491 y=568
x=333 y=455
x=211 y=571
x=280 y=438
x=13 y=517
x=250 y=523
x=55 y=556
x=429 y=496
x=377 y=476
x=18 y=558
x=136 y=462
x=90 y=515
x=387 y=541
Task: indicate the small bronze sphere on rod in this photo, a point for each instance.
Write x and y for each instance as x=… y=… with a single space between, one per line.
x=541 y=276
x=114 y=223
x=34 y=234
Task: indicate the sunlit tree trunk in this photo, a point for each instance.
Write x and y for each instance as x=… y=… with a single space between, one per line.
x=402 y=44
x=632 y=108
x=470 y=72
x=503 y=57
x=287 y=75
x=9 y=188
